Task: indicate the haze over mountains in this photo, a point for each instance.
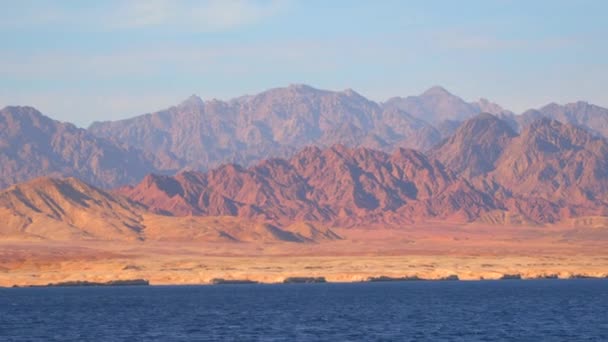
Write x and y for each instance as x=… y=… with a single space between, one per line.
x=200 y=135
x=306 y=155
x=276 y=123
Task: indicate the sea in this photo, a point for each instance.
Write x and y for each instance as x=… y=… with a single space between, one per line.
x=507 y=310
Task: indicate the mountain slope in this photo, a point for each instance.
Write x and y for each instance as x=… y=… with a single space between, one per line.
x=32 y=145
x=557 y=162
x=550 y=172
x=69 y=209
x=582 y=114
x=338 y=185
x=475 y=146
x=63 y=209
x=437 y=105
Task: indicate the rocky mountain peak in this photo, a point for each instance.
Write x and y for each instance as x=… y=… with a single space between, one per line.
x=475 y=146
x=193 y=101
x=436 y=91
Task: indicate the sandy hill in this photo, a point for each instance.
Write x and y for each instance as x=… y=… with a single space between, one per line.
x=69 y=209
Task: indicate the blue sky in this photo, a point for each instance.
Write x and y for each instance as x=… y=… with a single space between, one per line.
x=82 y=61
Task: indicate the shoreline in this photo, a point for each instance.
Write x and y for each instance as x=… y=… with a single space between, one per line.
x=240 y=282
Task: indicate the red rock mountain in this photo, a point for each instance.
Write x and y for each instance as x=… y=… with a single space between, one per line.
x=475 y=146
x=557 y=162
x=337 y=185
x=32 y=145
x=549 y=172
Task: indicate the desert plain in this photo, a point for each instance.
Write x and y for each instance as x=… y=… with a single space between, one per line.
x=427 y=251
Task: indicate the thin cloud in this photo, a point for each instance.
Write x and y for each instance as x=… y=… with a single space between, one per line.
x=462 y=40
x=190 y=15
x=212 y=15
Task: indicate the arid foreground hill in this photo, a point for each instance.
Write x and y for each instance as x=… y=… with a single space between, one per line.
x=70 y=210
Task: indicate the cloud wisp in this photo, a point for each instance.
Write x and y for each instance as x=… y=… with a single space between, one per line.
x=205 y=16
x=180 y=15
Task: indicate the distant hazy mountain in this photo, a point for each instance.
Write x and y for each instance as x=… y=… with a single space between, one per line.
x=32 y=145
x=437 y=105
x=201 y=134
x=583 y=114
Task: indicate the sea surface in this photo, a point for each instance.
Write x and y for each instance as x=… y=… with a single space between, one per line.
x=509 y=310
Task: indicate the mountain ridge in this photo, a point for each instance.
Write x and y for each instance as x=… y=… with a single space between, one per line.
x=33 y=145
x=201 y=135
x=550 y=173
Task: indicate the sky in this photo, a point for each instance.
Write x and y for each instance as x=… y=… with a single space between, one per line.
x=85 y=61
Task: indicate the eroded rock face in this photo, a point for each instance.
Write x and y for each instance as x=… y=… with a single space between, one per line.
x=557 y=162
x=339 y=185
x=475 y=146
x=549 y=172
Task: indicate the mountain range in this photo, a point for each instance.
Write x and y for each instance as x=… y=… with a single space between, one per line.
x=296 y=159
x=339 y=186
x=548 y=173
x=200 y=135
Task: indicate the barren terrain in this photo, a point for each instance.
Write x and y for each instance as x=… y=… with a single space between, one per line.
x=431 y=251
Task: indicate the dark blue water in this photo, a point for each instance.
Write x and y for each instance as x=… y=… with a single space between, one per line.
x=551 y=310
